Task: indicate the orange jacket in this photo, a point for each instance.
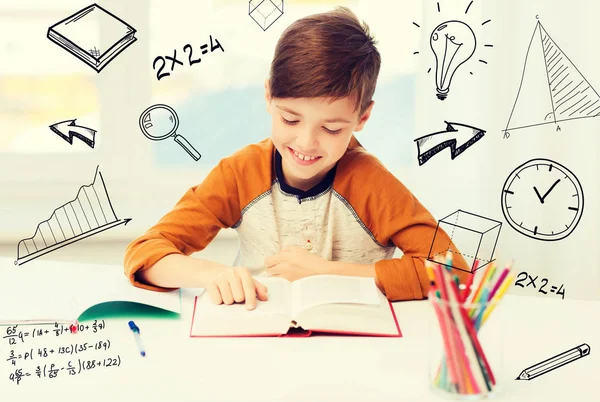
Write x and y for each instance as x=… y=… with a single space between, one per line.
x=360 y=213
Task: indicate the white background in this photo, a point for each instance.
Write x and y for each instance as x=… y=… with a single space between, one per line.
x=39 y=171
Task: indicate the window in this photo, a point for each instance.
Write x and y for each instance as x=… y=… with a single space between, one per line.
x=219 y=101
x=42 y=84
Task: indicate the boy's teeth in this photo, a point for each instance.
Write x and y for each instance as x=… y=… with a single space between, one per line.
x=304 y=157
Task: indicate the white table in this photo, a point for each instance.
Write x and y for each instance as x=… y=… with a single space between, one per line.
x=180 y=368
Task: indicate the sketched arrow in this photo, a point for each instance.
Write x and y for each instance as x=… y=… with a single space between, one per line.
x=68 y=129
x=455 y=133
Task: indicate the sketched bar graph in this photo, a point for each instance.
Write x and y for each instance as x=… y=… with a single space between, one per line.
x=89 y=213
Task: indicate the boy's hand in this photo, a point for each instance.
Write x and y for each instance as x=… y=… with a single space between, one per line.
x=236 y=285
x=294 y=263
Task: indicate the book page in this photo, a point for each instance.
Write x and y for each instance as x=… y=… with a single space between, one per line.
x=279 y=302
x=269 y=317
x=328 y=289
x=364 y=319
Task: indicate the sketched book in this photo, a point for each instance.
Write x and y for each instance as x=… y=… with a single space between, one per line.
x=56 y=291
x=93 y=35
x=320 y=304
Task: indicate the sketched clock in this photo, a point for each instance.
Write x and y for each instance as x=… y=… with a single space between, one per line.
x=543 y=200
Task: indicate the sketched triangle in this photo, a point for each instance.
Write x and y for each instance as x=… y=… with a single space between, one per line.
x=572 y=95
x=552 y=89
x=533 y=103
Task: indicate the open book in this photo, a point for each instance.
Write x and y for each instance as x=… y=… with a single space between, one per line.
x=54 y=291
x=314 y=304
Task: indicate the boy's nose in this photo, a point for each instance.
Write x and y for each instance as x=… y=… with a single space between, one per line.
x=307 y=142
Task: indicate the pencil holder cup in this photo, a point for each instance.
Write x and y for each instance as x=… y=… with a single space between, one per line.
x=465 y=349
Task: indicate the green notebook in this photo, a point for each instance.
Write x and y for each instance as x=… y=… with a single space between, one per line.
x=127 y=310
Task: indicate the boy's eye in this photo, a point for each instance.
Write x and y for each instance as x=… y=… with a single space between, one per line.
x=290 y=122
x=294 y=122
x=332 y=131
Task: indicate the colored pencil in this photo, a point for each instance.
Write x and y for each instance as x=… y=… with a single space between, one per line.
x=429 y=271
x=434 y=294
x=467 y=288
x=442 y=376
x=492 y=272
x=481 y=283
x=440 y=268
x=489 y=272
x=448 y=259
x=464 y=368
x=445 y=338
x=453 y=365
x=492 y=304
x=481 y=309
x=466 y=346
x=479 y=350
x=475 y=266
x=505 y=272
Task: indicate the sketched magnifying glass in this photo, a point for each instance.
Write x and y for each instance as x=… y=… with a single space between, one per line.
x=160 y=122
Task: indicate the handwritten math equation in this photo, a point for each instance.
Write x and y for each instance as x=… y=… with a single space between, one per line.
x=71 y=349
x=15 y=336
x=71 y=355
x=531 y=281
x=73 y=368
x=160 y=62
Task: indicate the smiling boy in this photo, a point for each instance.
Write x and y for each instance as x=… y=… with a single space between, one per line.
x=308 y=200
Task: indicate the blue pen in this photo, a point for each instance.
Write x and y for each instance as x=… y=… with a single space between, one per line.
x=136 y=333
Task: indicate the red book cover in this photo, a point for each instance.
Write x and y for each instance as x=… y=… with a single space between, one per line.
x=302 y=333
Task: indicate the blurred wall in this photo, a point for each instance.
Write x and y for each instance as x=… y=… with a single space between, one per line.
x=220 y=105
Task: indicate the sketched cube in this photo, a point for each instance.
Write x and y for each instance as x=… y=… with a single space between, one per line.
x=474 y=236
x=265 y=12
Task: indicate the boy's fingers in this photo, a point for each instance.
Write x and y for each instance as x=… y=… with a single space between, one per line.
x=274 y=270
x=286 y=276
x=237 y=291
x=249 y=292
x=213 y=292
x=280 y=269
x=225 y=290
x=271 y=260
x=261 y=290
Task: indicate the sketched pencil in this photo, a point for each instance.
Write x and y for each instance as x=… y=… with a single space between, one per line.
x=554 y=362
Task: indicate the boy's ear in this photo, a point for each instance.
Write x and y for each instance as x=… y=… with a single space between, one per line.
x=365 y=116
x=268 y=95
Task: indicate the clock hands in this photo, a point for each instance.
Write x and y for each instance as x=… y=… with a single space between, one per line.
x=538 y=194
x=550 y=189
x=542 y=198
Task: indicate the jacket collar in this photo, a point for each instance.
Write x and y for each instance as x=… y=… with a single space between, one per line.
x=300 y=194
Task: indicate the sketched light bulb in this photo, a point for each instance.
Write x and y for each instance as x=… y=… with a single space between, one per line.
x=453 y=43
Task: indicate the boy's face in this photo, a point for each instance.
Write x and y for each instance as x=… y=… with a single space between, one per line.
x=311 y=134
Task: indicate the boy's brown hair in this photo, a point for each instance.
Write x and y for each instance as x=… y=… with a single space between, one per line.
x=326 y=55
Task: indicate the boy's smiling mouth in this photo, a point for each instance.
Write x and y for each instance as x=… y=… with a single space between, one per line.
x=303 y=159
